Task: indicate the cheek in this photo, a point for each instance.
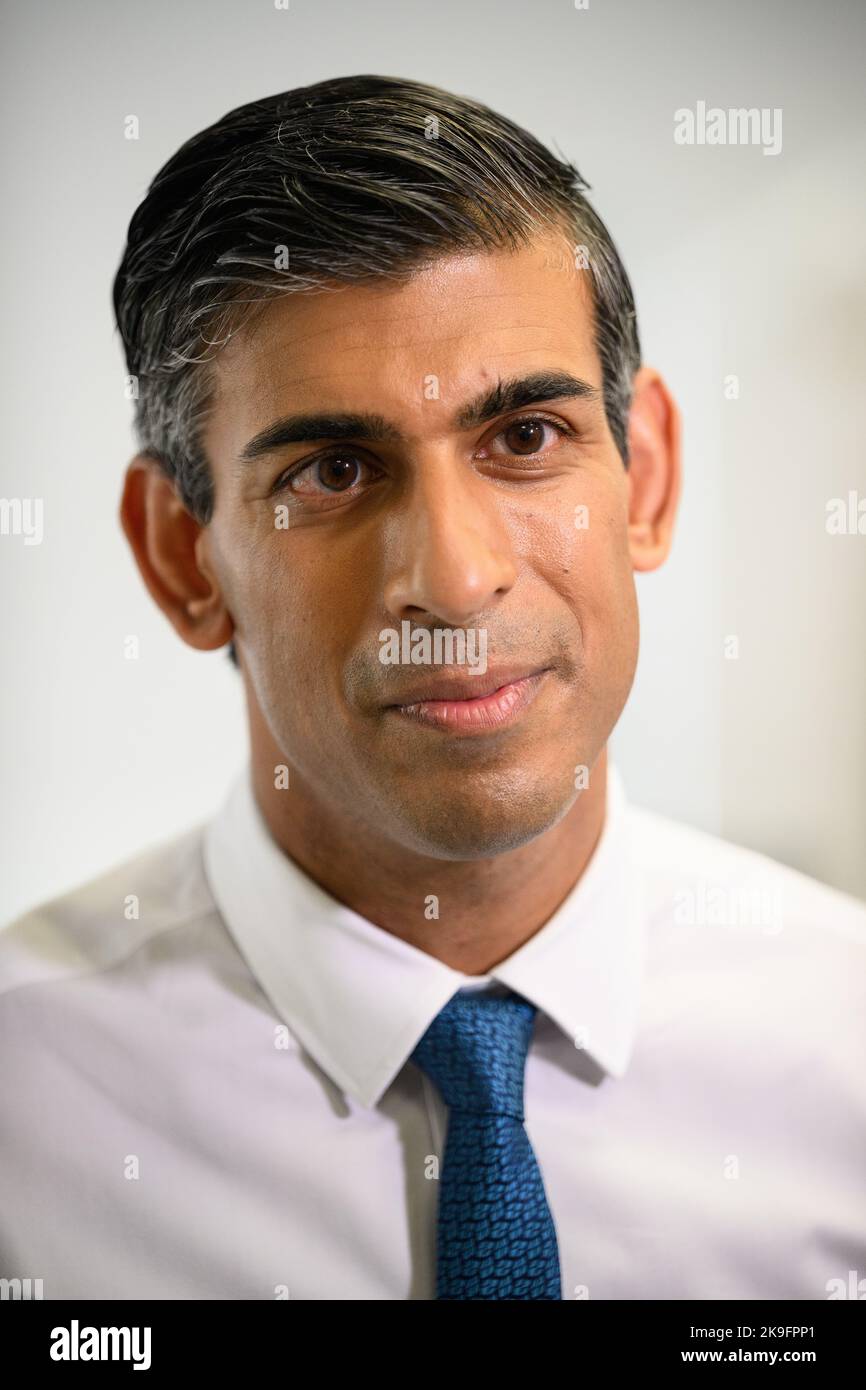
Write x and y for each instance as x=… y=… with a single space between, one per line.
x=302 y=606
x=578 y=544
x=578 y=549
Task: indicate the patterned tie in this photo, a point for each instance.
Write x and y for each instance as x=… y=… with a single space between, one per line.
x=496 y=1237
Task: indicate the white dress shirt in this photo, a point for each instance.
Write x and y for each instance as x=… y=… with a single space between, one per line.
x=205 y=1089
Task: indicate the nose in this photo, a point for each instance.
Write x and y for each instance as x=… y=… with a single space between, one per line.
x=449 y=552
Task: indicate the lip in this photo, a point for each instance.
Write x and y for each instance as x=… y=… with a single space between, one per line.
x=463 y=686
x=499 y=703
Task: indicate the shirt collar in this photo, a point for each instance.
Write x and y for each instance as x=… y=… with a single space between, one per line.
x=358 y=999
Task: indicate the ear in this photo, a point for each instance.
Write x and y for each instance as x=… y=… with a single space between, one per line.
x=172 y=553
x=653 y=471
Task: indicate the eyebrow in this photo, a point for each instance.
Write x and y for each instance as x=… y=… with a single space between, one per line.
x=504 y=396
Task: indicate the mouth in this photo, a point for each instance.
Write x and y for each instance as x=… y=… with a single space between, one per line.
x=466 y=706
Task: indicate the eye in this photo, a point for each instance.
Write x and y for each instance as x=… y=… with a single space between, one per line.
x=526 y=437
x=330 y=474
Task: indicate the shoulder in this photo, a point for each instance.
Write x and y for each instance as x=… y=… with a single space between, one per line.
x=692 y=878
x=97 y=925
x=752 y=962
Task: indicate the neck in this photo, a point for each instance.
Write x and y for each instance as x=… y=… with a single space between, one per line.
x=486 y=908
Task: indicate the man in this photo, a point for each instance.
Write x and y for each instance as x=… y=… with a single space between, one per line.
x=428 y=1010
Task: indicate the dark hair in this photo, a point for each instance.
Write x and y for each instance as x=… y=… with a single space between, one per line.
x=347 y=180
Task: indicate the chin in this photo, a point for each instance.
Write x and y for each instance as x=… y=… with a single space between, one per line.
x=467 y=828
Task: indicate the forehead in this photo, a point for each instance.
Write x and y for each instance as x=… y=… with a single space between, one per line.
x=463 y=320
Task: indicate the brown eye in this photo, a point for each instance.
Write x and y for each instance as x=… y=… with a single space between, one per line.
x=335 y=474
x=339 y=472
x=525 y=436
x=529 y=436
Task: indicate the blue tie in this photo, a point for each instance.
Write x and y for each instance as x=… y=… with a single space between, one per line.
x=496 y=1238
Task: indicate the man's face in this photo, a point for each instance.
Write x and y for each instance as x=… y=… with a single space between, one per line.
x=515 y=527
